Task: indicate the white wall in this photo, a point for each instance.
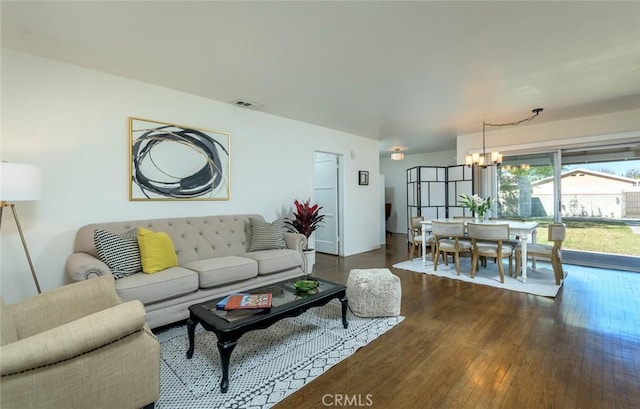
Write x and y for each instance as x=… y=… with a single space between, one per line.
x=73 y=123
x=592 y=130
x=395 y=176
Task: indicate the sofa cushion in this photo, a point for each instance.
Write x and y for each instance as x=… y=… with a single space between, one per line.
x=119 y=252
x=274 y=261
x=156 y=251
x=218 y=271
x=149 y=288
x=266 y=236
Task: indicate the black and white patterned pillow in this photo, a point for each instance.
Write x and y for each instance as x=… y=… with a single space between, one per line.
x=120 y=252
x=266 y=236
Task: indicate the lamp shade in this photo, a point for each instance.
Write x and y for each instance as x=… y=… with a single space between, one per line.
x=397 y=156
x=20 y=182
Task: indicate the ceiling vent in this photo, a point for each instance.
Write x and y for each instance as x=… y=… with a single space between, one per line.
x=243 y=103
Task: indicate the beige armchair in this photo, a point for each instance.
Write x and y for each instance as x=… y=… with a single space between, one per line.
x=77 y=346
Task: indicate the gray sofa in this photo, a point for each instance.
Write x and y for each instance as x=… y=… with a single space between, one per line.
x=213 y=260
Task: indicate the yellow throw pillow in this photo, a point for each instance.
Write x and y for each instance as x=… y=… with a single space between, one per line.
x=156 y=251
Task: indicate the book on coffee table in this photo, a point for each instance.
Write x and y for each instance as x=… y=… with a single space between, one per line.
x=248 y=301
x=220 y=304
x=234 y=315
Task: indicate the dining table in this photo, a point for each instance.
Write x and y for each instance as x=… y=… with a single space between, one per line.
x=523 y=230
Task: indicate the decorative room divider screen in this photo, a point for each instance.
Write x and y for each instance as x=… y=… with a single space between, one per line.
x=432 y=191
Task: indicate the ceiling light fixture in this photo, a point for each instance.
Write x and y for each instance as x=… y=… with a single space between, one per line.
x=397 y=155
x=483 y=159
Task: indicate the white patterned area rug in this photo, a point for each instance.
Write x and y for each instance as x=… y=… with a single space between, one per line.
x=266 y=365
x=540 y=281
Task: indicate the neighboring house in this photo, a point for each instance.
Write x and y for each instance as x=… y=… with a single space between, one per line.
x=587 y=193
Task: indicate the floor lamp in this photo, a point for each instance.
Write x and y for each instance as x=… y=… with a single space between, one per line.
x=20 y=183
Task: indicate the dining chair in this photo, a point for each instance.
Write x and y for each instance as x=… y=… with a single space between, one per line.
x=415 y=236
x=464 y=219
x=487 y=240
x=556 y=234
x=515 y=239
x=448 y=239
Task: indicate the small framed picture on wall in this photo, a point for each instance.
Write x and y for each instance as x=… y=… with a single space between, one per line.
x=363 y=177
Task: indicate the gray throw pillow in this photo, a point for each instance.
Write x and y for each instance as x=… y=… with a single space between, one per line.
x=266 y=236
x=120 y=252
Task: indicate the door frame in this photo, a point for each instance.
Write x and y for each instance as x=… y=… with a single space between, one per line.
x=340 y=208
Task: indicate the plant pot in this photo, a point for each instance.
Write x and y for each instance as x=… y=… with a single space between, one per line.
x=309 y=260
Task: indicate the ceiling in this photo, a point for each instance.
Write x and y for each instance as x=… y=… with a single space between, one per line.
x=412 y=75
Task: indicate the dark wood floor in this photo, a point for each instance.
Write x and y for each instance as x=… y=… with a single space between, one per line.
x=464 y=345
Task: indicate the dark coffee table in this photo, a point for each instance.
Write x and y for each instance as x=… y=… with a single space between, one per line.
x=287 y=302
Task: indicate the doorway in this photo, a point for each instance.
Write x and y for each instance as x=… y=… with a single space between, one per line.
x=327 y=190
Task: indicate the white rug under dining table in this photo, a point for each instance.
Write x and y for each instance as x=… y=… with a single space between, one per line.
x=540 y=281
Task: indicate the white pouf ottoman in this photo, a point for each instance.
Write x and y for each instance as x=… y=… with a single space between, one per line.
x=374 y=292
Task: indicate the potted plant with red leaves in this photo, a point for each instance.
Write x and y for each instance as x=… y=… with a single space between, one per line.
x=306 y=219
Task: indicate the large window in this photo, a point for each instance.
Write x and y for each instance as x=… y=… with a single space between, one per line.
x=518 y=178
x=594 y=191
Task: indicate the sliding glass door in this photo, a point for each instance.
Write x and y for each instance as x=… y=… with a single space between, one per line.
x=594 y=191
x=601 y=199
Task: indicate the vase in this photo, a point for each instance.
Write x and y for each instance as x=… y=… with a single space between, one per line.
x=309 y=260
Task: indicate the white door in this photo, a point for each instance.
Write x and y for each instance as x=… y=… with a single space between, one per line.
x=325 y=188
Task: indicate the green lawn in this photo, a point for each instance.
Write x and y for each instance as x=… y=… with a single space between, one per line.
x=604 y=236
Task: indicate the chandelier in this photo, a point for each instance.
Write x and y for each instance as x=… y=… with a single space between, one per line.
x=485 y=159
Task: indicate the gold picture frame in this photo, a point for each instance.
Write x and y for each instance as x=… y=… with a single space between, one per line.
x=175 y=162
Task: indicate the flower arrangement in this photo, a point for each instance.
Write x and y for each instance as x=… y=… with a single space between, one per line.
x=306 y=218
x=476 y=204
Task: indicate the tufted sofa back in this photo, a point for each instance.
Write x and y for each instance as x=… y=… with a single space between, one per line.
x=194 y=238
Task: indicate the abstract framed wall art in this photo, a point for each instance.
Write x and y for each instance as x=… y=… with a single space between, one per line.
x=175 y=162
